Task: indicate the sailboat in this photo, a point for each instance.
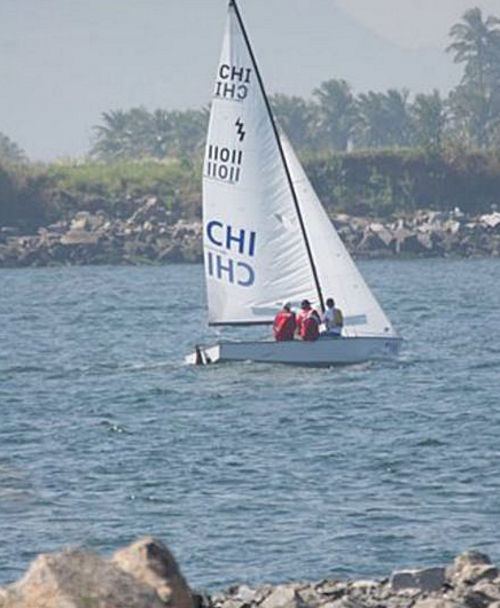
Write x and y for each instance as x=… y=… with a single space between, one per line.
x=266 y=237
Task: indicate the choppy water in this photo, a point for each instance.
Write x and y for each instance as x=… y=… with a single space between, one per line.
x=249 y=472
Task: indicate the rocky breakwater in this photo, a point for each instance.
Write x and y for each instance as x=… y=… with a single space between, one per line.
x=425 y=233
x=145 y=575
x=471 y=581
x=151 y=235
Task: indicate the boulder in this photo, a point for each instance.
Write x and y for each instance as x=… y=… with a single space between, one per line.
x=436 y=602
x=59 y=227
x=151 y=211
x=80 y=221
x=172 y=253
x=80 y=237
x=407 y=241
x=425 y=241
x=7 y=232
x=283 y=596
x=383 y=233
x=375 y=240
x=150 y=562
x=474 y=599
x=245 y=593
x=491 y=220
x=471 y=567
x=401 y=235
x=452 y=226
x=427 y=579
x=76 y=579
x=489 y=588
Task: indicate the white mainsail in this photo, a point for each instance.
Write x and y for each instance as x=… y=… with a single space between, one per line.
x=254 y=252
x=257 y=252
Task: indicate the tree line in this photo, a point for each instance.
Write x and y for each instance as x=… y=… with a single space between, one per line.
x=336 y=119
x=369 y=154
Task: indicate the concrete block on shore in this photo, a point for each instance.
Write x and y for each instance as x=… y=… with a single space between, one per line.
x=427 y=579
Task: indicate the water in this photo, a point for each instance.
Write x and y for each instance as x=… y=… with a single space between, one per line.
x=248 y=472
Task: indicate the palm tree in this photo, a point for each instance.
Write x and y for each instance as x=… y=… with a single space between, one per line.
x=475 y=104
x=9 y=151
x=139 y=144
x=295 y=116
x=114 y=137
x=188 y=131
x=477 y=44
x=429 y=120
x=162 y=134
x=140 y=134
x=370 y=130
x=383 y=119
x=336 y=114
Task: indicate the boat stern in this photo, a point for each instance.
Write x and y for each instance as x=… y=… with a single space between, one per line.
x=203 y=355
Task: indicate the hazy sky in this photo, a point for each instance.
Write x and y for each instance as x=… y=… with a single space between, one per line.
x=64 y=62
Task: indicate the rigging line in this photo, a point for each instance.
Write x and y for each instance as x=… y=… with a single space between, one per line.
x=282 y=155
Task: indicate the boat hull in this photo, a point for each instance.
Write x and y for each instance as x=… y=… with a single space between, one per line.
x=323 y=352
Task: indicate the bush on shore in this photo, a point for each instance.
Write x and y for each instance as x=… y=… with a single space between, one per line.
x=372 y=183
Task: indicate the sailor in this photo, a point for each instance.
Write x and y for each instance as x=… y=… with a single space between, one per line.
x=308 y=321
x=284 y=324
x=333 y=319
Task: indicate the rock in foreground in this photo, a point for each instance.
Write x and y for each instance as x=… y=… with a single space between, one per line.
x=142 y=575
x=145 y=575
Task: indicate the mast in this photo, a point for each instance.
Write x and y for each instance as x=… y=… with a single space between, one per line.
x=282 y=155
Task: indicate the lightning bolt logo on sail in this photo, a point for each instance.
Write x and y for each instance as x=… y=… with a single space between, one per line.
x=240 y=126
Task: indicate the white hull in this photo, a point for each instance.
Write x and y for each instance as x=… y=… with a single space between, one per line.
x=322 y=352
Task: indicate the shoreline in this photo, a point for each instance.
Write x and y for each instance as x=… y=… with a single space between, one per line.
x=146 y=575
x=150 y=236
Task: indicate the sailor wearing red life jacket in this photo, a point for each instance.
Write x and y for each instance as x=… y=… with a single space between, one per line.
x=308 y=322
x=284 y=324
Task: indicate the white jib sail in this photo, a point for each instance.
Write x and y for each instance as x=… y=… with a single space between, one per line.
x=254 y=252
x=338 y=275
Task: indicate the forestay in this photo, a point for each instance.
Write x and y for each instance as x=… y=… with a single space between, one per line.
x=254 y=252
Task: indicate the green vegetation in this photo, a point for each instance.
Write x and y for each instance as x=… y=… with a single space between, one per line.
x=37 y=195
x=391 y=182
x=115 y=187
x=141 y=134
x=364 y=183
x=376 y=153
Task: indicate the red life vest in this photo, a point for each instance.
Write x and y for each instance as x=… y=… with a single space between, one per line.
x=310 y=328
x=308 y=324
x=284 y=326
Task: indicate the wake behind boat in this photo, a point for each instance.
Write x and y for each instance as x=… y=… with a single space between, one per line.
x=266 y=237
